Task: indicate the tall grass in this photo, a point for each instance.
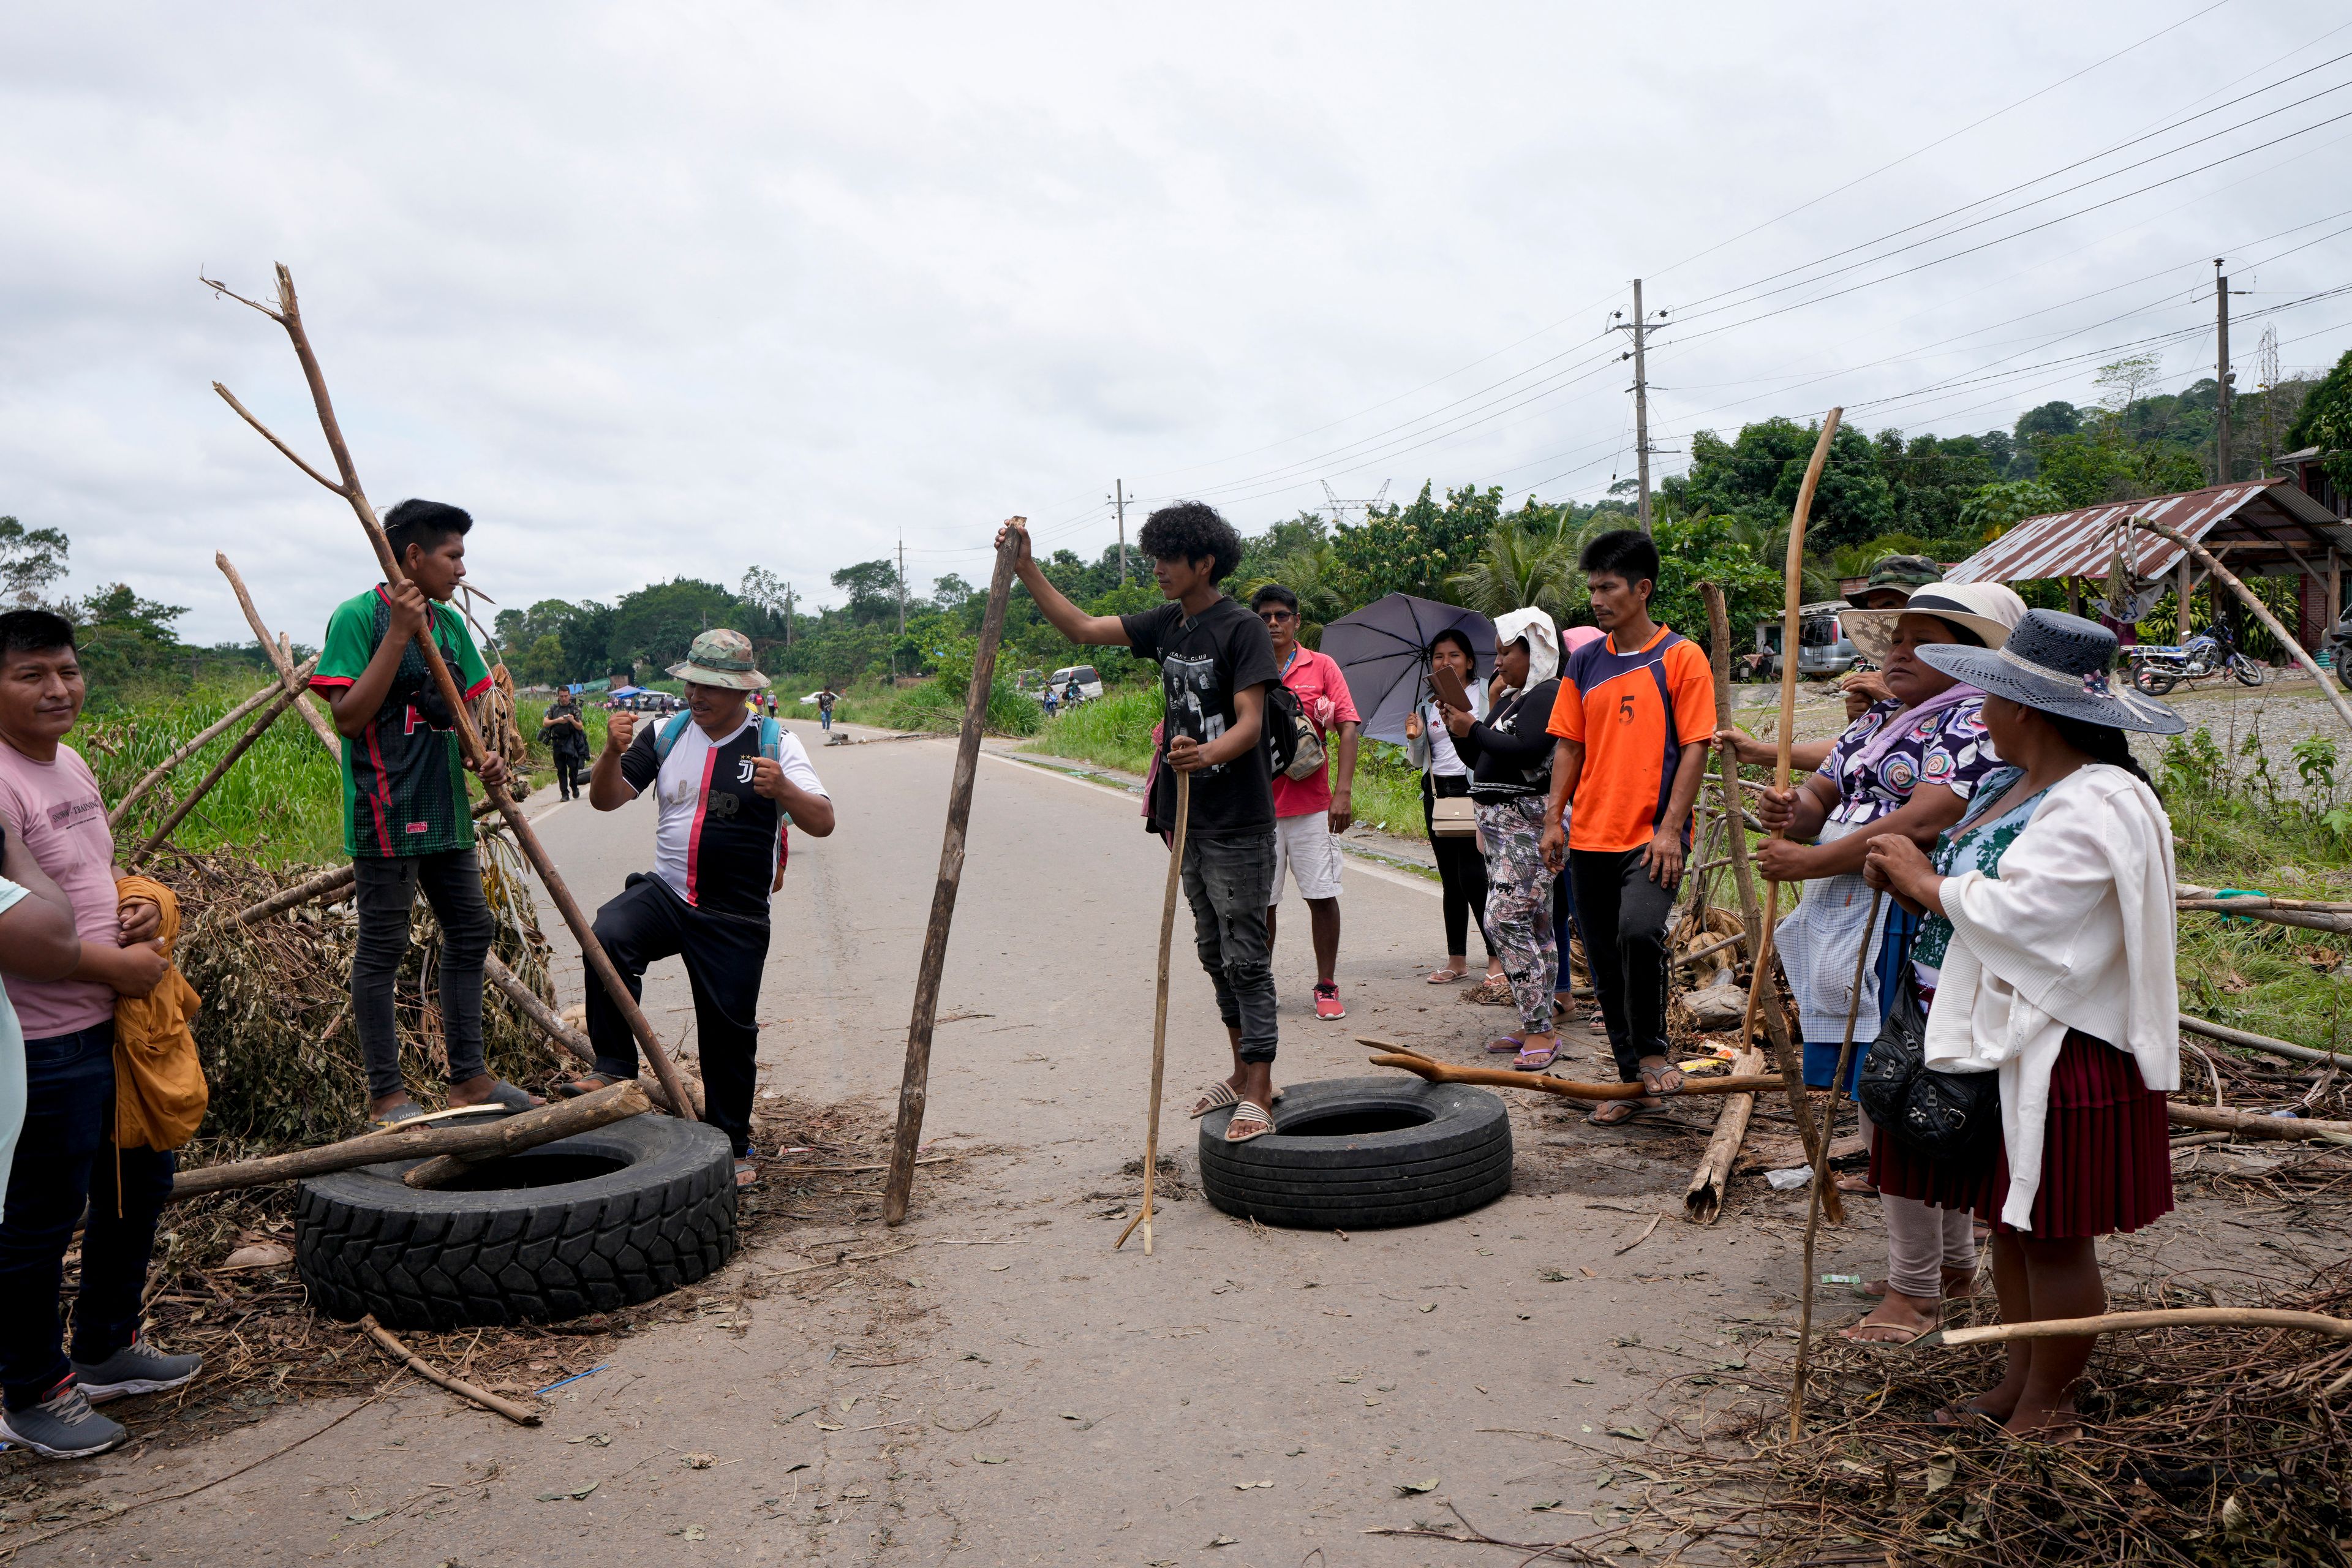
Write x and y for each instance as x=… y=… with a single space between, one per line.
x=282 y=803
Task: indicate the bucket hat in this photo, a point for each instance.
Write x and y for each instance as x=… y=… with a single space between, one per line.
x=721 y=658
x=2058 y=664
x=1987 y=609
x=1903 y=573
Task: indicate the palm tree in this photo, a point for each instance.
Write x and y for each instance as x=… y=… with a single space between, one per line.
x=1521 y=566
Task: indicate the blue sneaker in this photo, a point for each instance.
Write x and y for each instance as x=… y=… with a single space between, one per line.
x=62 y=1426
x=137 y=1368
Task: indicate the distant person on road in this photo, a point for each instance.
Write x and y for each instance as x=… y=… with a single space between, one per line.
x=726 y=781
x=1635 y=712
x=406 y=820
x=1053 y=702
x=1310 y=813
x=62 y=983
x=825 y=698
x=1217 y=662
x=1072 y=696
x=564 y=732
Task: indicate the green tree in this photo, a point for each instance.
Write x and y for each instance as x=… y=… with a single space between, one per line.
x=1994 y=510
x=30 y=560
x=657 y=623
x=873 y=590
x=1414 y=549
x=543 y=663
x=1521 y=566
x=2326 y=422
x=1757 y=476
x=121 y=636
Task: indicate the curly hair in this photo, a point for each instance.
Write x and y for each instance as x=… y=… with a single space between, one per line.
x=1192 y=530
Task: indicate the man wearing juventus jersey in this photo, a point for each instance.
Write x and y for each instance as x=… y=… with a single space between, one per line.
x=726 y=781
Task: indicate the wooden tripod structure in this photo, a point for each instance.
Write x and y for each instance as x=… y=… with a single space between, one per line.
x=288 y=314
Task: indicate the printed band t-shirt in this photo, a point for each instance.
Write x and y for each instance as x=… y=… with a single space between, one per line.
x=1634 y=712
x=716 y=837
x=1312 y=676
x=1203 y=660
x=405 y=777
x=55 y=810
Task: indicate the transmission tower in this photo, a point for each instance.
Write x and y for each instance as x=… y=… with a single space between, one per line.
x=1342 y=510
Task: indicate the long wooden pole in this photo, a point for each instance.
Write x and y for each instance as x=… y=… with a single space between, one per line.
x=524 y=1130
x=1822 y=1174
x=2222 y=576
x=531 y=1005
x=237 y=748
x=1395 y=1055
x=2162 y=1318
x=278 y=657
x=288 y=314
x=197 y=743
x=521 y=1414
x=914 y=1088
x=1159 y=1013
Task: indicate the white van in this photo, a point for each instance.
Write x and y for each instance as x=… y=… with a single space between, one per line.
x=1090 y=683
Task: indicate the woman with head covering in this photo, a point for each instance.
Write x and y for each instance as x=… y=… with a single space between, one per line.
x=1909 y=765
x=1461 y=868
x=2047 y=956
x=1509 y=754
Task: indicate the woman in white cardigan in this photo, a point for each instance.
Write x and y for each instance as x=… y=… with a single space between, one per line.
x=2048 y=952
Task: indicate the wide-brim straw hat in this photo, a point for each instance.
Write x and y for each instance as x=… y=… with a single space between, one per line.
x=2055 y=663
x=1987 y=609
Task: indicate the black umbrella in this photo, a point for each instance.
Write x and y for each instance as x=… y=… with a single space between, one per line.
x=1382 y=650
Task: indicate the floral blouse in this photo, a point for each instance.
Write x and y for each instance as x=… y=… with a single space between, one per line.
x=1949 y=747
x=1972 y=844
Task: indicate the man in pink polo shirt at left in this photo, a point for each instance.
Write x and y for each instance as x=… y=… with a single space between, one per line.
x=1310 y=813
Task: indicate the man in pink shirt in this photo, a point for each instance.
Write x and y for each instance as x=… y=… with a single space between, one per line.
x=66 y=1157
x=1310 y=812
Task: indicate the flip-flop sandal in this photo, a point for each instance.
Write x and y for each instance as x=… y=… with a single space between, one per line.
x=1447 y=976
x=747 y=1174
x=1248 y=1112
x=587 y=1083
x=1852 y=1333
x=1536 y=1061
x=1638 y=1112
x=506 y=1097
x=1219 y=1095
x=1653 y=1081
x=407 y=1110
x=1504 y=1044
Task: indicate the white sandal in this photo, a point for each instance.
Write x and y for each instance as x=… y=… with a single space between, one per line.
x=1247 y=1110
x=1219 y=1095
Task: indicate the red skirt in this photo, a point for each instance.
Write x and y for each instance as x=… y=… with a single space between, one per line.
x=2106 y=1155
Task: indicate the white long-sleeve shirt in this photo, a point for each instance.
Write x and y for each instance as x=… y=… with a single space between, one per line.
x=2075 y=932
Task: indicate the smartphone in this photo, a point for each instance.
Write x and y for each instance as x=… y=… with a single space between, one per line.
x=1449 y=689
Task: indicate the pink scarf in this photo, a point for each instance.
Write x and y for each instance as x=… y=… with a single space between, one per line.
x=1878 y=745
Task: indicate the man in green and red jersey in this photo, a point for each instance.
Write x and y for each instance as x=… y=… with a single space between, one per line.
x=1635 y=712
x=406 y=824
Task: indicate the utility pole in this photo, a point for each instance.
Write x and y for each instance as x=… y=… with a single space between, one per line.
x=902 y=584
x=2221 y=374
x=788 y=614
x=1639 y=355
x=1119 y=493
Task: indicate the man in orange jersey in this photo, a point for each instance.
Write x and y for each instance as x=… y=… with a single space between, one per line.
x=1635 y=712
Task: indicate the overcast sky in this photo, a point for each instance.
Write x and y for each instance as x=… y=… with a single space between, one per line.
x=681 y=290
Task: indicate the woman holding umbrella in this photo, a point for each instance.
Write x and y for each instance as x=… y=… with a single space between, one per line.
x=1461 y=868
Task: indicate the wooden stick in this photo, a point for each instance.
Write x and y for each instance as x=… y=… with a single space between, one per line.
x=2263 y=1043
x=530 y=1004
x=1735 y=940
x=1763 y=989
x=2164 y=1318
x=914 y=1088
x=481 y=1140
x=203 y=738
x=243 y=744
x=2222 y=576
x=1395 y=1055
x=498 y=1404
x=287 y=313
x=1159 y=1013
x=529 y=1129
x=2277 y=912
x=1703 y=1204
x=277 y=656
x=2254 y=1125
x=1822 y=1174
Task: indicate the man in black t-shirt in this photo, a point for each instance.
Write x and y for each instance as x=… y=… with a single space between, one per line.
x=725 y=782
x=1217 y=663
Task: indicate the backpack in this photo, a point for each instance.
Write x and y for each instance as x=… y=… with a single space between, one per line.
x=770 y=733
x=1292 y=745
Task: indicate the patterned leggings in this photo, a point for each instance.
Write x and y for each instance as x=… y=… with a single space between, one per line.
x=1519 y=904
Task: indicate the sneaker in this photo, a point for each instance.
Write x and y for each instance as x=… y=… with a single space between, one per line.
x=1327 y=1001
x=62 y=1426
x=137 y=1368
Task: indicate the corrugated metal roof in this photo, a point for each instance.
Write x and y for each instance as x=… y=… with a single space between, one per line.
x=2082 y=544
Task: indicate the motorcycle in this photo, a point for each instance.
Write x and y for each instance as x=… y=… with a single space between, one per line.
x=2339 y=651
x=2157 y=670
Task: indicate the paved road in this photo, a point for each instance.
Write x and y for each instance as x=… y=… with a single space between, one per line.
x=1132 y=1397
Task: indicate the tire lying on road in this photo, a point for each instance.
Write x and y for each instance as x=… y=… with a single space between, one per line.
x=587 y=1224
x=1355 y=1153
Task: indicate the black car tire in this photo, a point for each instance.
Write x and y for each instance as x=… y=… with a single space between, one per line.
x=621 y=1214
x=1440 y=1150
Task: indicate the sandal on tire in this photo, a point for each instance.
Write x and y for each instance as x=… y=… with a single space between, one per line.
x=587 y=1083
x=1219 y=1095
x=1247 y=1113
x=407 y=1110
x=506 y=1097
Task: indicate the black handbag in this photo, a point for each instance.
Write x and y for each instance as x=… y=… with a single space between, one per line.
x=1943 y=1116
